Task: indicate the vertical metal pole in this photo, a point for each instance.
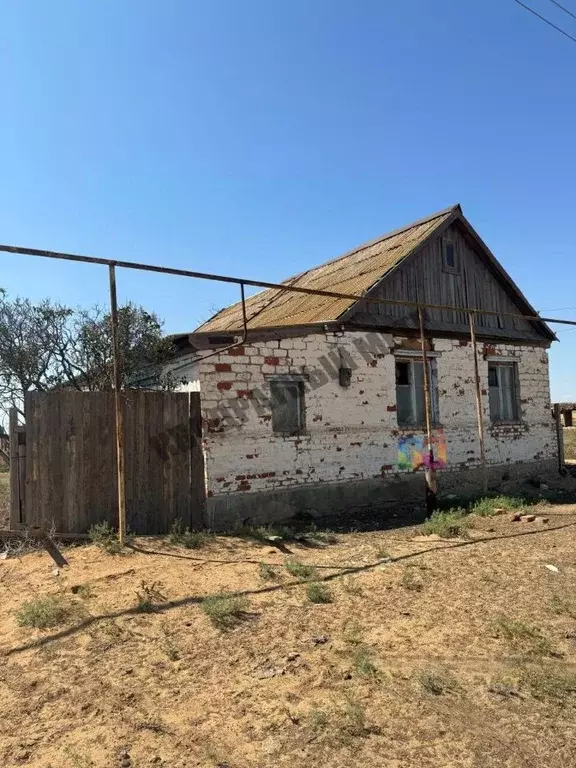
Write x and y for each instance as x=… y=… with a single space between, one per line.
x=430 y=472
x=479 y=409
x=118 y=407
x=560 y=439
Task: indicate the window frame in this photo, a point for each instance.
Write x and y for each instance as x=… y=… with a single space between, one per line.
x=298 y=382
x=434 y=401
x=455 y=268
x=499 y=365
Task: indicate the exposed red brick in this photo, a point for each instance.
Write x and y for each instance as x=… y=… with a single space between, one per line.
x=484 y=392
x=220 y=479
x=391 y=408
x=249 y=455
x=271 y=360
x=236 y=351
x=223 y=367
x=243 y=486
x=373 y=363
x=463 y=343
x=214 y=425
x=240 y=477
x=250 y=477
x=224 y=385
x=387 y=467
x=245 y=393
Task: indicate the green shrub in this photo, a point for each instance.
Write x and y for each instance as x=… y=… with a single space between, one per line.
x=225 y=610
x=105 y=537
x=267 y=572
x=300 y=570
x=85 y=591
x=545 y=683
x=43 y=612
x=447 y=524
x=184 y=537
x=485 y=507
x=352 y=586
x=522 y=636
x=318 y=593
x=263 y=533
x=362 y=659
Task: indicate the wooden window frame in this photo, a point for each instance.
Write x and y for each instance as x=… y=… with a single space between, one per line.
x=515 y=395
x=453 y=270
x=292 y=382
x=432 y=370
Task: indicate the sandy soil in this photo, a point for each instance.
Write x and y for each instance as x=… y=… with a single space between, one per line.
x=117 y=688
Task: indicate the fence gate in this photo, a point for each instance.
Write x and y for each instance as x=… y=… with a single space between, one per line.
x=68 y=476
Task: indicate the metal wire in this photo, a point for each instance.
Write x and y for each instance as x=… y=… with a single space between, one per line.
x=19 y=250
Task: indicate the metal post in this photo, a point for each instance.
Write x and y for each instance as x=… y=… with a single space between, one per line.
x=560 y=439
x=430 y=472
x=119 y=408
x=479 y=408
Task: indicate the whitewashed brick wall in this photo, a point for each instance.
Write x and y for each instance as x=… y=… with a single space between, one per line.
x=352 y=433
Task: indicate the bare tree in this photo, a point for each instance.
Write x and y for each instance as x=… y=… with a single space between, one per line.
x=30 y=335
x=46 y=345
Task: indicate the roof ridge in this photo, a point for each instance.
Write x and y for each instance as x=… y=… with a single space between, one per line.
x=375 y=241
x=268 y=297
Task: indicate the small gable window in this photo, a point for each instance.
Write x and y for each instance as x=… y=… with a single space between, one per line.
x=449 y=257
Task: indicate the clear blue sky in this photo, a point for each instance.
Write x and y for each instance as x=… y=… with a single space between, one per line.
x=259 y=138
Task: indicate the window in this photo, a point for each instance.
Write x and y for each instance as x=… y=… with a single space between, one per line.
x=449 y=256
x=410 y=402
x=503 y=391
x=287 y=403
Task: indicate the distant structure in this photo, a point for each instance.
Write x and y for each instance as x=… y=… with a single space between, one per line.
x=567 y=413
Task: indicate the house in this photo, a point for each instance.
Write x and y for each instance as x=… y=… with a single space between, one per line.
x=320 y=405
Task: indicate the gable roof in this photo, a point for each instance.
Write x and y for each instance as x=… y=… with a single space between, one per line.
x=354 y=272
x=359 y=272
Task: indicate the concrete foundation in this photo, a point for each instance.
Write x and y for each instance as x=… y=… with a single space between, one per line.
x=364 y=496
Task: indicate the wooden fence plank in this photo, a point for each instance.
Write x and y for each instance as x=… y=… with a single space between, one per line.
x=70 y=472
x=197 y=484
x=16 y=500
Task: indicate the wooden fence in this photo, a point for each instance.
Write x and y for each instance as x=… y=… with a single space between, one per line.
x=66 y=469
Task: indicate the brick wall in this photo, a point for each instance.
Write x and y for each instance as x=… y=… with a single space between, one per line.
x=352 y=433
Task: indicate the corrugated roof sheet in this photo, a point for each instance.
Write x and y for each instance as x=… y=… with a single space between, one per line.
x=354 y=272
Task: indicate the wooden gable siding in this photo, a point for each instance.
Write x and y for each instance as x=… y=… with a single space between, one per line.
x=423 y=278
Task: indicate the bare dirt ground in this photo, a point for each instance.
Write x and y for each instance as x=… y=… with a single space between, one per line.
x=433 y=652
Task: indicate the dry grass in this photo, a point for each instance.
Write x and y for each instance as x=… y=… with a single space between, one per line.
x=463 y=671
